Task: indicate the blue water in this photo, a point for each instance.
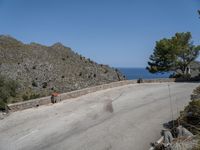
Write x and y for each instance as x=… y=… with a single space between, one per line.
x=136 y=73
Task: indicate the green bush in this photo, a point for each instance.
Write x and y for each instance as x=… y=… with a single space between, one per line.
x=2 y=106
x=34 y=96
x=28 y=97
x=105 y=71
x=7 y=90
x=44 y=85
x=25 y=97
x=34 y=84
x=183 y=76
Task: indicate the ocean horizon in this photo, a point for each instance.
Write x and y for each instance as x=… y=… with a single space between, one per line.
x=136 y=73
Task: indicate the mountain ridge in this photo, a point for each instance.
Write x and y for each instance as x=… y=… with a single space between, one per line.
x=41 y=70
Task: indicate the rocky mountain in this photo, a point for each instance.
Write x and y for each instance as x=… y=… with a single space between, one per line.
x=41 y=70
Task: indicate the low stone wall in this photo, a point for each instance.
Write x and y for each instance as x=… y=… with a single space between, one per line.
x=46 y=100
x=158 y=80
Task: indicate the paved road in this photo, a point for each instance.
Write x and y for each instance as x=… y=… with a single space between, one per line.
x=123 y=118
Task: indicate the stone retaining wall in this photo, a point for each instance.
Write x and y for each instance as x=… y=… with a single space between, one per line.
x=74 y=94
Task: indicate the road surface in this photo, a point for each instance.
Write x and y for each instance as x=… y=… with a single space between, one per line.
x=122 y=118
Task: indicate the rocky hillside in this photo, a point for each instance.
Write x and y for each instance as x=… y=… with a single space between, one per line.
x=41 y=70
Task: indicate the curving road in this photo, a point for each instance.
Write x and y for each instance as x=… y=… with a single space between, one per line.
x=122 y=118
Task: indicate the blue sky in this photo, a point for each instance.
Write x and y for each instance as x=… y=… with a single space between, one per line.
x=121 y=33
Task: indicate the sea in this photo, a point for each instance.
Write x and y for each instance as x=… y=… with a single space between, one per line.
x=136 y=73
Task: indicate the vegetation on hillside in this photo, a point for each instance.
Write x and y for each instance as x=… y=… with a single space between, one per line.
x=8 y=89
x=173 y=54
x=190 y=117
